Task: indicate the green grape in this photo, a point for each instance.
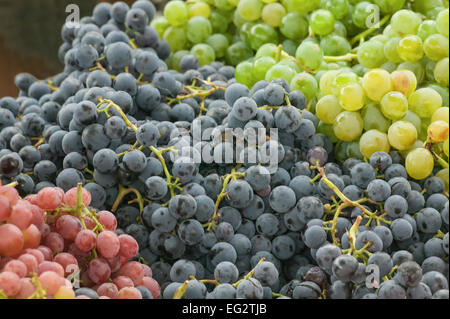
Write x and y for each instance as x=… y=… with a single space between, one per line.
x=433 y=13
x=441 y=114
x=443 y=174
x=342 y=79
x=176 y=37
x=443 y=92
x=430 y=65
x=416 y=68
x=334 y=45
x=340 y=29
x=374 y=119
x=419 y=163
x=234 y=3
x=371 y=54
x=301 y=6
x=390 y=50
x=359 y=70
x=377 y=83
x=238 y=52
x=204 y=53
x=290 y=47
x=261 y=34
x=294 y=66
x=380 y=37
x=389 y=66
x=339 y=8
x=305 y=83
x=414 y=119
x=265 y=1
x=176 y=12
x=237 y=20
x=445 y=147
x=423 y=6
x=427 y=28
x=340 y=151
x=389 y=6
x=280 y=71
x=441 y=72
x=250 y=10
x=327 y=129
x=160 y=24
x=417 y=144
x=362 y=13
x=405 y=22
x=402 y=135
x=394 y=105
x=244 y=73
x=410 y=48
x=333 y=66
x=268 y=49
x=294 y=26
x=245 y=32
x=224 y=5
x=199 y=9
x=198 y=29
x=310 y=54
x=442 y=22
x=348 y=126
x=353 y=151
x=390 y=33
x=273 y=13
x=436 y=47
x=219 y=22
x=261 y=66
x=424 y=102
x=373 y=141
x=176 y=59
x=327 y=108
x=219 y=43
x=326 y=81
x=352 y=97
x=322 y=22
x=423 y=134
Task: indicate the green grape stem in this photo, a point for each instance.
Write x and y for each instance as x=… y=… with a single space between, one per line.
x=250 y=274
x=369 y=31
x=345 y=58
x=40 y=292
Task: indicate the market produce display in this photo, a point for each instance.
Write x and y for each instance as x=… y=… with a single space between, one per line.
x=232 y=149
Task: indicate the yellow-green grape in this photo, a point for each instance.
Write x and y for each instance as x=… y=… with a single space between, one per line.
x=305 y=83
x=427 y=28
x=445 y=147
x=390 y=33
x=294 y=66
x=310 y=54
x=441 y=114
x=442 y=22
x=377 y=83
x=352 y=97
x=419 y=163
x=438 y=131
x=342 y=79
x=444 y=175
x=424 y=102
x=160 y=24
x=176 y=37
x=404 y=81
x=204 y=53
x=402 y=135
x=423 y=134
x=414 y=119
x=394 y=105
x=236 y=2
x=250 y=10
x=405 y=22
x=201 y=9
x=327 y=108
x=410 y=48
x=417 y=144
x=373 y=141
x=176 y=12
x=244 y=73
x=326 y=81
x=441 y=72
x=280 y=71
x=219 y=43
x=261 y=66
x=390 y=50
x=348 y=126
x=436 y=47
x=416 y=67
x=273 y=13
x=327 y=129
x=268 y=49
x=374 y=118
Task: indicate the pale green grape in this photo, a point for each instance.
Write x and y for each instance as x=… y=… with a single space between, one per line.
x=268 y=49
x=377 y=83
x=326 y=81
x=244 y=73
x=402 y=135
x=238 y=52
x=353 y=151
x=176 y=37
x=294 y=26
x=410 y=48
x=322 y=22
x=273 y=13
x=280 y=71
x=199 y=9
x=335 y=45
x=352 y=97
x=348 y=126
x=236 y=2
x=380 y=37
x=436 y=47
x=443 y=92
x=391 y=33
x=424 y=102
x=373 y=141
x=219 y=22
x=204 y=53
x=441 y=114
x=310 y=54
x=219 y=43
x=405 y=22
x=327 y=108
x=427 y=28
x=340 y=151
x=342 y=79
x=404 y=81
x=389 y=6
x=415 y=67
x=245 y=31
x=389 y=66
x=394 y=105
x=290 y=47
x=327 y=129
x=176 y=12
x=442 y=22
x=250 y=10
x=261 y=66
x=374 y=119
x=430 y=65
x=371 y=54
x=301 y=6
x=305 y=83
x=419 y=163
x=294 y=66
x=423 y=134
x=441 y=72
x=445 y=147
x=423 y=6
x=414 y=119
x=339 y=8
x=261 y=34
x=417 y=144
x=160 y=24
x=224 y=5
x=199 y=29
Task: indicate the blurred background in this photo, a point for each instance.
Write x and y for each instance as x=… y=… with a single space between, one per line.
x=30 y=37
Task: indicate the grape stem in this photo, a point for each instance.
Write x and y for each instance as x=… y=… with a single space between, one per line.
x=40 y=292
x=346 y=58
x=125 y=191
x=369 y=31
x=250 y=274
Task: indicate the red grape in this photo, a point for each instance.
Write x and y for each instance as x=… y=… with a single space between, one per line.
x=37 y=254
x=45 y=230
x=55 y=242
x=17 y=267
x=11 y=242
x=86 y=280
x=90 y=224
x=70 y=197
x=26 y=289
x=66 y=260
x=47 y=252
x=86 y=240
x=128 y=246
x=11 y=193
x=147 y=270
x=123 y=281
x=38 y=217
x=114 y=263
x=5 y=208
x=9 y=283
x=129 y=293
x=51 y=281
x=68 y=226
x=152 y=285
x=108 y=244
x=108 y=290
x=99 y=270
x=51 y=266
x=49 y=198
x=30 y=261
x=134 y=271
x=108 y=220
x=21 y=215
x=31 y=237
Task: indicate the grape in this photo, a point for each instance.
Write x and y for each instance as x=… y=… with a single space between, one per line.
x=377 y=83
x=108 y=244
x=405 y=22
x=436 y=47
x=373 y=141
x=410 y=48
x=424 y=102
x=419 y=163
x=310 y=54
x=352 y=97
x=402 y=135
x=273 y=13
x=322 y=22
x=371 y=54
x=442 y=22
x=348 y=126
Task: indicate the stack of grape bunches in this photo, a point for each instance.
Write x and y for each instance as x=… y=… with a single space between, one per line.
x=103 y=195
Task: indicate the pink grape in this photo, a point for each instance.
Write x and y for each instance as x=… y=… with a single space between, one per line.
x=21 y=215
x=17 y=267
x=47 y=252
x=30 y=262
x=70 y=197
x=31 y=237
x=123 y=281
x=66 y=260
x=108 y=244
x=51 y=266
x=108 y=289
x=11 y=242
x=108 y=220
x=134 y=271
x=9 y=283
x=86 y=240
x=49 y=198
x=38 y=216
x=147 y=270
x=68 y=226
x=37 y=254
x=129 y=293
x=128 y=246
x=11 y=193
x=99 y=270
x=152 y=285
x=5 y=208
x=55 y=242
x=26 y=289
x=51 y=281
x=114 y=263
